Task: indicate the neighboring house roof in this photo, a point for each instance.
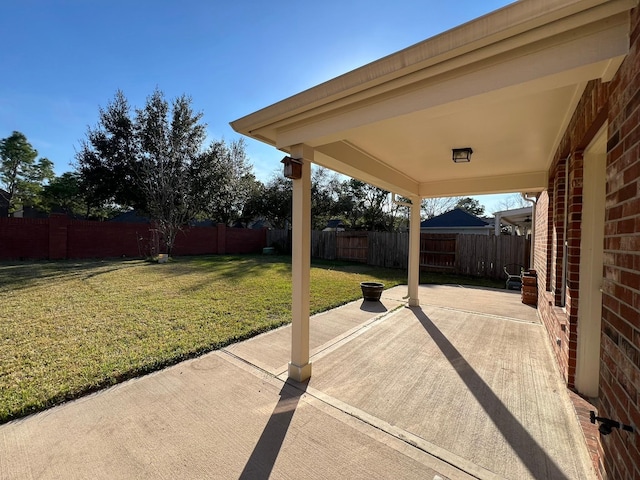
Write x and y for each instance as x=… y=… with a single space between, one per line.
x=335 y=223
x=30 y=212
x=202 y=223
x=455 y=218
x=260 y=223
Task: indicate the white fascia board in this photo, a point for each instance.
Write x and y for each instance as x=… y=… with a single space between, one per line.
x=518 y=23
x=568 y=60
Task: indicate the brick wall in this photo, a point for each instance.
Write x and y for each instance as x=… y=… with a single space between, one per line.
x=548 y=265
x=59 y=237
x=620 y=354
x=559 y=219
x=618 y=103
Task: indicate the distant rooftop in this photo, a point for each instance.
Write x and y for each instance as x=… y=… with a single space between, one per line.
x=454 y=218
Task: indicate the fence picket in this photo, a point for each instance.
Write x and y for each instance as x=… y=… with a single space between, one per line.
x=476 y=255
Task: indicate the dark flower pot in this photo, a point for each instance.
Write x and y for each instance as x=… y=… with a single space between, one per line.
x=372 y=290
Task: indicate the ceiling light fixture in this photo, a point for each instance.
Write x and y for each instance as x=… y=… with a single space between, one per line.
x=462 y=155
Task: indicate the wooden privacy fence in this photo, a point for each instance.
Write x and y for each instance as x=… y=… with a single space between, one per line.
x=59 y=237
x=485 y=256
x=352 y=246
x=464 y=254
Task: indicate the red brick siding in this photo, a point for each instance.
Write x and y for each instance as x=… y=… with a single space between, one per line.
x=558 y=231
x=620 y=354
x=542 y=240
x=618 y=102
x=561 y=320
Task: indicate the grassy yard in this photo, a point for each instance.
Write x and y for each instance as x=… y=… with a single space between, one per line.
x=69 y=328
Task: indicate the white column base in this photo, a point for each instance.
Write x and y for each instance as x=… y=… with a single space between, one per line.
x=414 y=302
x=300 y=373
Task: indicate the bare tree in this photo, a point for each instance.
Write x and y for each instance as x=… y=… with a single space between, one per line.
x=432 y=207
x=512 y=201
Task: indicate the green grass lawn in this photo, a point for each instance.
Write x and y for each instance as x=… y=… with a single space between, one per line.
x=69 y=328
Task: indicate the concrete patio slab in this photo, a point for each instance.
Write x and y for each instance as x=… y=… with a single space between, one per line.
x=396 y=392
x=212 y=417
x=503 y=303
x=271 y=351
x=483 y=388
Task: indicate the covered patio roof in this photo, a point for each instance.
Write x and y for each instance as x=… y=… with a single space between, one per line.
x=505 y=84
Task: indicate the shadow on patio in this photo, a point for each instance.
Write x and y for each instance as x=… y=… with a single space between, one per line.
x=530 y=453
x=469 y=372
x=264 y=455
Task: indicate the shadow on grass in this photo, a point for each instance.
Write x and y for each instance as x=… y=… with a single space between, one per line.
x=19 y=275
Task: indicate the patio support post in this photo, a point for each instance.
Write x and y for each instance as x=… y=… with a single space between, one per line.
x=414 y=252
x=299 y=366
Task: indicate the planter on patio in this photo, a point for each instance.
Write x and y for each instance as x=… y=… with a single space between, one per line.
x=372 y=290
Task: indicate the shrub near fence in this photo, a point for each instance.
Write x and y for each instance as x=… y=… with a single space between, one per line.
x=59 y=237
x=463 y=254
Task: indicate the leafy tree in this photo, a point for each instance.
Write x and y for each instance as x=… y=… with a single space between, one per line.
x=253 y=207
x=275 y=203
x=21 y=176
x=155 y=162
x=329 y=198
x=169 y=139
x=359 y=204
x=223 y=181
x=64 y=193
x=471 y=205
x=147 y=162
x=372 y=206
x=107 y=157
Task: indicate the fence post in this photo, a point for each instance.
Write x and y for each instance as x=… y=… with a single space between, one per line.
x=58 y=223
x=222 y=238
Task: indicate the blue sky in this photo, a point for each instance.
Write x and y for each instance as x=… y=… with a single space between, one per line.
x=62 y=60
